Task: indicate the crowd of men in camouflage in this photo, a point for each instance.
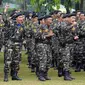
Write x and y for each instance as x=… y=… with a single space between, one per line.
x=56 y=40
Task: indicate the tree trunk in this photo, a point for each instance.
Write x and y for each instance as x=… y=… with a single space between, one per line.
x=77 y=6
x=67 y=9
x=81 y=5
x=0 y=2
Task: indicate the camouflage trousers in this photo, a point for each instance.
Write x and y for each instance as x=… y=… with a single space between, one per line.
x=31 y=51
x=64 y=59
x=78 y=52
x=1 y=44
x=44 y=56
x=12 y=57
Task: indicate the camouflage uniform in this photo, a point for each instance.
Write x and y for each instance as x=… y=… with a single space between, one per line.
x=43 y=50
x=66 y=39
x=1 y=35
x=12 y=53
x=31 y=30
x=55 y=42
x=80 y=48
x=28 y=24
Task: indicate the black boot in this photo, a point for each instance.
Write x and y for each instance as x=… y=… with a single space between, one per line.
x=37 y=71
x=29 y=61
x=15 y=77
x=11 y=73
x=41 y=76
x=32 y=68
x=84 y=68
x=46 y=76
x=60 y=72
x=71 y=76
x=78 y=67
x=5 y=77
x=66 y=76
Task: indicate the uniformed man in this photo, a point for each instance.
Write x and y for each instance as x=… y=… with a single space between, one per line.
x=31 y=30
x=2 y=24
x=66 y=39
x=44 y=55
x=80 y=46
x=12 y=53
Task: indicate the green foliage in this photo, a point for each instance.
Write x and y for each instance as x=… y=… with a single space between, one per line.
x=69 y=4
x=19 y=1
x=1 y=9
x=8 y=1
x=38 y=4
x=77 y=0
x=50 y=3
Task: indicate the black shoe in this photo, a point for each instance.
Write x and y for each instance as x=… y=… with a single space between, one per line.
x=5 y=77
x=60 y=75
x=47 y=78
x=42 y=78
x=16 y=78
x=37 y=74
x=5 y=80
x=78 y=67
x=83 y=68
x=29 y=66
x=32 y=70
x=60 y=72
x=77 y=70
x=11 y=73
x=46 y=75
x=71 y=76
x=37 y=71
x=67 y=79
x=66 y=76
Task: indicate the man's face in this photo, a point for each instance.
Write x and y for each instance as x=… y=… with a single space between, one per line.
x=78 y=14
x=42 y=21
x=73 y=21
x=81 y=16
x=54 y=16
x=49 y=21
x=20 y=19
x=35 y=19
x=58 y=14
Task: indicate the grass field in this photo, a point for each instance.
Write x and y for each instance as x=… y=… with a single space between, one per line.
x=30 y=78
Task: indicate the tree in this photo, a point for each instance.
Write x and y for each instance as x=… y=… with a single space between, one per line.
x=0 y=2
x=47 y=5
x=8 y=1
x=37 y=4
x=50 y=3
x=68 y=4
x=44 y=5
x=81 y=4
x=22 y=4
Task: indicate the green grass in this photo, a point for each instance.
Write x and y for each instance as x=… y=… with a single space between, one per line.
x=30 y=78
